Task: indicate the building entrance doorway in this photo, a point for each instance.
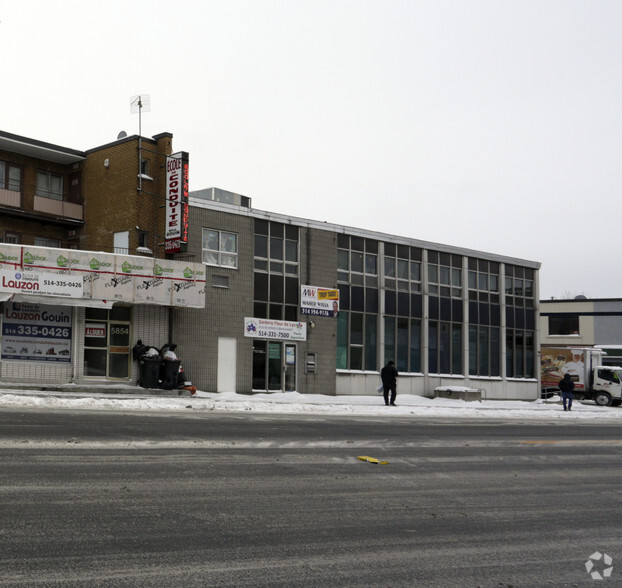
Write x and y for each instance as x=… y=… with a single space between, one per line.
x=274 y=366
x=107 y=342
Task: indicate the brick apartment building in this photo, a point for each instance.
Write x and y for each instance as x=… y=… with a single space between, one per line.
x=104 y=198
x=99 y=216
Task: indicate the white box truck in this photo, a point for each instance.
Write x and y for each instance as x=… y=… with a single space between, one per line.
x=592 y=380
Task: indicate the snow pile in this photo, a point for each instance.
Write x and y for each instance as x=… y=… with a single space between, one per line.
x=295 y=403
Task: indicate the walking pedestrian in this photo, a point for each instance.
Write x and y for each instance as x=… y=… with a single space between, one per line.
x=566 y=386
x=389 y=382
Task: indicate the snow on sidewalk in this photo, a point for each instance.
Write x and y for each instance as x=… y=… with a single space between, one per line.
x=295 y=403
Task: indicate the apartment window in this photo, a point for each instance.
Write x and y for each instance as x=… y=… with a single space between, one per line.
x=10 y=177
x=121 y=242
x=50 y=185
x=220 y=281
x=47 y=242
x=11 y=237
x=566 y=324
x=220 y=248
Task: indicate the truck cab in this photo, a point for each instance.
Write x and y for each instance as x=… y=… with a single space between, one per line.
x=607 y=385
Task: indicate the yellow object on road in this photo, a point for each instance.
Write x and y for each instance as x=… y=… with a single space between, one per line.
x=372 y=460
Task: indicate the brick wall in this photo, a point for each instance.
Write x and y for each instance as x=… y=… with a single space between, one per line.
x=114 y=202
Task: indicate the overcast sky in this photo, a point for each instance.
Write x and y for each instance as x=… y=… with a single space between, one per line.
x=486 y=124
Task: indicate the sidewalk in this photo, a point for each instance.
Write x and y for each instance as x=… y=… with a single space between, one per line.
x=133 y=398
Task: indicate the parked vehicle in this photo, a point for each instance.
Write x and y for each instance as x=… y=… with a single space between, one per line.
x=592 y=380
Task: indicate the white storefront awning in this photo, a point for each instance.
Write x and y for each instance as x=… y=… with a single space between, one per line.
x=58 y=301
x=93 y=279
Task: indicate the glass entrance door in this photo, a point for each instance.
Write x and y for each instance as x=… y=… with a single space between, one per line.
x=274 y=366
x=107 y=343
x=289 y=368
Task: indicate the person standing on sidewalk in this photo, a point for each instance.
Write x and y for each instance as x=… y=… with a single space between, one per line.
x=566 y=386
x=389 y=382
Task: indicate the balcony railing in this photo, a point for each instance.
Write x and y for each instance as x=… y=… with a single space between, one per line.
x=10 y=198
x=59 y=208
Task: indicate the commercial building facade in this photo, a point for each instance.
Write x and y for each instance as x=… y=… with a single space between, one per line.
x=285 y=303
x=447 y=316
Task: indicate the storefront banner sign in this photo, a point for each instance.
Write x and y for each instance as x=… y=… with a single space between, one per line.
x=106 y=277
x=187 y=284
x=10 y=256
x=317 y=301
x=155 y=288
x=36 y=332
x=273 y=329
x=41 y=284
x=119 y=284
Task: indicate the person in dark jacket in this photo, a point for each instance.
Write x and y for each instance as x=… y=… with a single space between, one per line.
x=389 y=382
x=566 y=386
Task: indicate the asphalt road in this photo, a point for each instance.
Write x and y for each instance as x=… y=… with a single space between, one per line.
x=203 y=499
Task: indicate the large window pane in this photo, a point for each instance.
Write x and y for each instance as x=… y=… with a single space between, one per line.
x=473 y=350
x=444 y=348
x=356 y=329
x=495 y=352
x=402 y=345
x=356 y=358
x=342 y=341
x=433 y=347
x=415 y=346
x=276 y=248
x=356 y=259
x=389 y=339
x=483 y=351
x=456 y=349
x=371 y=347
x=342 y=260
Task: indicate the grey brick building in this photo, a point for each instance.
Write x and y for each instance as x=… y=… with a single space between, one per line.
x=448 y=316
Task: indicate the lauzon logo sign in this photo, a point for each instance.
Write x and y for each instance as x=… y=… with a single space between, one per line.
x=176 y=229
x=20 y=283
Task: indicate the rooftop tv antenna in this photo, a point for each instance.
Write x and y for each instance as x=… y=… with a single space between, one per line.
x=138 y=104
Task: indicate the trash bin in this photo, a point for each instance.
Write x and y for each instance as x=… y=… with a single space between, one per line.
x=169 y=373
x=149 y=372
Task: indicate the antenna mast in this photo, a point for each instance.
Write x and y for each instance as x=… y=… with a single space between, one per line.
x=137 y=103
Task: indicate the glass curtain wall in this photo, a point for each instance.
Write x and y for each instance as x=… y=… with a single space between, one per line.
x=403 y=306
x=484 y=318
x=445 y=312
x=520 y=322
x=357 y=322
x=276 y=284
